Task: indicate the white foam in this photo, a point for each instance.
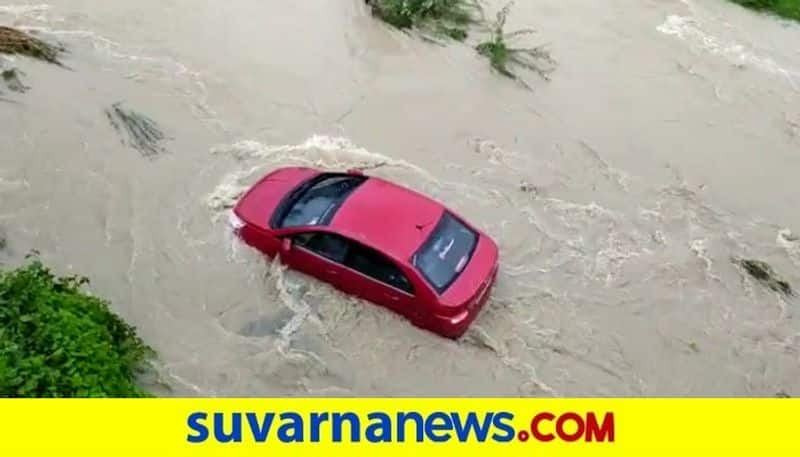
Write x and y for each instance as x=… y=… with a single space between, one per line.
x=224 y=196
x=790 y=243
x=319 y=151
x=161 y=67
x=35 y=12
x=691 y=30
x=700 y=249
x=331 y=152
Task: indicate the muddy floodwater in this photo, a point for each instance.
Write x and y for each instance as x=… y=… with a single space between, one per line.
x=666 y=143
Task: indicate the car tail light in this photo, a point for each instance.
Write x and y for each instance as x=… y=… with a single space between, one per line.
x=458 y=318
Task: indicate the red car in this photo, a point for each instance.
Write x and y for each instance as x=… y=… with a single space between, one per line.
x=374 y=239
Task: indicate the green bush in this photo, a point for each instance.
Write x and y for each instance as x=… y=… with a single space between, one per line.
x=57 y=341
x=785 y=8
x=441 y=17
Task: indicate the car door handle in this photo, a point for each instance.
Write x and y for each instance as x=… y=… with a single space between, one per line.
x=332 y=272
x=392 y=297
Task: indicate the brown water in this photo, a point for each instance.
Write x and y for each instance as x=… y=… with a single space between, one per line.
x=667 y=141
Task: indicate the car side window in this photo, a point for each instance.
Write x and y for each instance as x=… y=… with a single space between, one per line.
x=373 y=264
x=330 y=246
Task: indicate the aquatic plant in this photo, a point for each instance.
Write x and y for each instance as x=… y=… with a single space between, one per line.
x=502 y=56
x=58 y=341
x=138 y=130
x=441 y=17
x=12 y=79
x=765 y=274
x=13 y=41
x=786 y=8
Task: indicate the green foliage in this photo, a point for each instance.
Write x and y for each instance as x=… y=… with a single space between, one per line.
x=441 y=17
x=502 y=57
x=786 y=8
x=57 y=341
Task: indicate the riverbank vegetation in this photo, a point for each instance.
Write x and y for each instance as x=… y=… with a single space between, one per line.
x=442 y=17
x=455 y=18
x=785 y=8
x=58 y=341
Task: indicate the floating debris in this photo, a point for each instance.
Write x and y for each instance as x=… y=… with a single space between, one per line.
x=138 y=131
x=528 y=188
x=12 y=79
x=502 y=56
x=765 y=274
x=13 y=41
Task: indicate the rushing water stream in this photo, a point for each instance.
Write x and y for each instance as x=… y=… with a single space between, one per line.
x=667 y=142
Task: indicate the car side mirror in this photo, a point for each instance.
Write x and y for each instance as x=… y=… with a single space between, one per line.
x=286 y=245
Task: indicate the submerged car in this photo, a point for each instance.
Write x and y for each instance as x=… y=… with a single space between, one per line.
x=373 y=239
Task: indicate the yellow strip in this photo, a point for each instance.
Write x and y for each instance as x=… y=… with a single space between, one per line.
x=664 y=427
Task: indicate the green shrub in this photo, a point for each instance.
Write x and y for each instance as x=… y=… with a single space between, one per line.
x=57 y=341
x=440 y=17
x=785 y=8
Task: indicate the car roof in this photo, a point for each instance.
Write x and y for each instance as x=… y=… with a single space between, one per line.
x=388 y=217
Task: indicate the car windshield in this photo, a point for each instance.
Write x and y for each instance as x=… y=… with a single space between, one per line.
x=446 y=252
x=316 y=202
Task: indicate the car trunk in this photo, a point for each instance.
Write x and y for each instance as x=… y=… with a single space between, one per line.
x=471 y=288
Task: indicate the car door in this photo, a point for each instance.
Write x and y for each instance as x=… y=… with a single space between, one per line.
x=374 y=277
x=319 y=254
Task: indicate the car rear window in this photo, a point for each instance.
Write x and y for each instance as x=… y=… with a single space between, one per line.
x=316 y=202
x=446 y=252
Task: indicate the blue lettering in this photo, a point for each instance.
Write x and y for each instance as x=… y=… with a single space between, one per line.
x=402 y=418
x=316 y=423
x=219 y=428
x=481 y=429
x=507 y=427
x=380 y=423
x=194 y=423
x=437 y=426
x=355 y=427
x=260 y=430
x=445 y=425
x=294 y=424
